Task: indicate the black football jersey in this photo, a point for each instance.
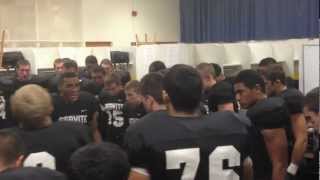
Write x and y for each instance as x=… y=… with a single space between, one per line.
x=32 y=173
x=269 y=113
x=294 y=100
x=133 y=114
x=52 y=84
x=52 y=147
x=6 y=121
x=81 y=111
x=112 y=123
x=199 y=148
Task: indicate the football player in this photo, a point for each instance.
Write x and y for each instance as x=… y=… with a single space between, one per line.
x=133 y=109
x=48 y=144
x=156 y=66
x=100 y=162
x=12 y=151
x=183 y=144
x=296 y=128
x=221 y=97
x=310 y=166
x=112 y=123
x=73 y=105
x=98 y=75
x=208 y=76
x=151 y=90
x=268 y=117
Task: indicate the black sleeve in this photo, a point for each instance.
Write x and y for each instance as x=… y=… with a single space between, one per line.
x=294 y=102
x=136 y=149
x=55 y=102
x=95 y=104
x=269 y=114
x=85 y=134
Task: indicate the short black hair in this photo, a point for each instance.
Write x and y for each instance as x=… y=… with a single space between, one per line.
x=184 y=87
x=267 y=61
x=66 y=75
x=69 y=63
x=22 y=62
x=124 y=77
x=217 y=69
x=220 y=93
x=98 y=69
x=91 y=60
x=275 y=72
x=156 y=66
x=250 y=79
x=100 y=162
x=311 y=100
x=11 y=146
x=152 y=85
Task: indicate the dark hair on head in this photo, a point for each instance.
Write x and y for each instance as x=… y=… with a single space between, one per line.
x=152 y=85
x=124 y=77
x=267 y=61
x=311 y=100
x=106 y=61
x=184 y=87
x=69 y=63
x=275 y=72
x=100 y=162
x=156 y=66
x=11 y=147
x=22 y=62
x=66 y=75
x=206 y=68
x=113 y=78
x=217 y=69
x=163 y=72
x=250 y=79
x=98 y=69
x=91 y=60
x=220 y=93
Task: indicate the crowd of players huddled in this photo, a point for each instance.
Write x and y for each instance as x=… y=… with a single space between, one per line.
x=182 y=122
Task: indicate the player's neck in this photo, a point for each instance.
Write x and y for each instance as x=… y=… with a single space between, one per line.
x=174 y=113
x=261 y=97
x=6 y=167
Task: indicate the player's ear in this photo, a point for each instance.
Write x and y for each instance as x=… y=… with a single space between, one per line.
x=19 y=161
x=165 y=97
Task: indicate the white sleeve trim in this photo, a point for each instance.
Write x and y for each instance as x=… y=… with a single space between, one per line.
x=140 y=171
